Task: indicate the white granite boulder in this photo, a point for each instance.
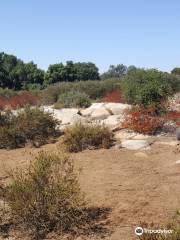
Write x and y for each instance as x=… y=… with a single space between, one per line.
x=100 y=114
x=112 y=121
x=88 y=111
x=135 y=144
x=116 y=108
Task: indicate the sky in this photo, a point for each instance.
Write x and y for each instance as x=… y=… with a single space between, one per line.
x=144 y=33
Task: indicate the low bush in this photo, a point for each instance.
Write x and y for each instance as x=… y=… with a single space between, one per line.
x=82 y=136
x=73 y=99
x=11 y=137
x=115 y=97
x=29 y=125
x=143 y=120
x=23 y=100
x=47 y=195
x=7 y=93
x=173 y=116
x=18 y=101
x=36 y=125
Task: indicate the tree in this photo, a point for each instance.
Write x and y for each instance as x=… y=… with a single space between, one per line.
x=131 y=68
x=115 y=71
x=176 y=71
x=86 y=71
x=16 y=74
x=71 y=72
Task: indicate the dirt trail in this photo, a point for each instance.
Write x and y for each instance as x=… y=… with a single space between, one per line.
x=135 y=188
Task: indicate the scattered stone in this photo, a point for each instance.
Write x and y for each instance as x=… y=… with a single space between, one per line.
x=117 y=108
x=67 y=115
x=141 y=154
x=113 y=121
x=124 y=134
x=96 y=105
x=86 y=112
x=140 y=137
x=135 y=144
x=178 y=162
x=100 y=114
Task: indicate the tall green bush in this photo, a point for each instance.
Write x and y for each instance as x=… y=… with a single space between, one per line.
x=149 y=87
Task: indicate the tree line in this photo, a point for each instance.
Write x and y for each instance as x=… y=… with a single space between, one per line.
x=15 y=74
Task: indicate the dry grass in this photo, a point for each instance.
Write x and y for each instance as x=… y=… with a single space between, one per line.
x=82 y=136
x=29 y=125
x=47 y=195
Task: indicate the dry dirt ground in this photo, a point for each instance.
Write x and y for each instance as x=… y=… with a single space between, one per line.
x=134 y=188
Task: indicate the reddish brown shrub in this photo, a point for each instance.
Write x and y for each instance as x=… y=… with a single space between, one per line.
x=143 y=120
x=115 y=97
x=3 y=103
x=174 y=116
x=18 y=101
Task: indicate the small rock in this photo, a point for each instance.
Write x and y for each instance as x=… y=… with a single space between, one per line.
x=113 y=121
x=100 y=114
x=140 y=137
x=96 y=105
x=86 y=112
x=135 y=144
x=178 y=162
x=117 y=108
x=124 y=134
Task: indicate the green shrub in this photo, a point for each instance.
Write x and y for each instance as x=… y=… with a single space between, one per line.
x=47 y=195
x=86 y=136
x=36 y=125
x=74 y=99
x=11 y=137
x=148 y=87
x=94 y=89
x=29 y=125
x=7 y=93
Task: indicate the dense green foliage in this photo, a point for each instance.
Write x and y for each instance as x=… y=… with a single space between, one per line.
x=176 y=71
x=117 y=71
x=73 y=99
x=71 y=72
x=29 y=125
x=149 y=87
x=15 y=74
